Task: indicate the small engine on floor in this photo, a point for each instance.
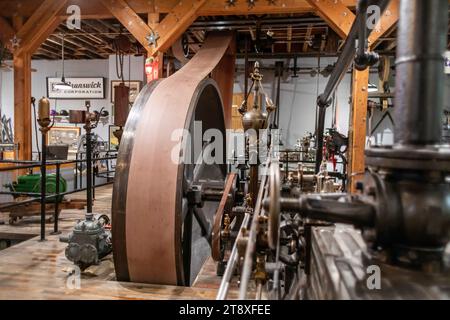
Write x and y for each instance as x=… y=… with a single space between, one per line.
x=89 y=241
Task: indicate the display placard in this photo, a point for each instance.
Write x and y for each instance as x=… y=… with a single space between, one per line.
x=82 y=88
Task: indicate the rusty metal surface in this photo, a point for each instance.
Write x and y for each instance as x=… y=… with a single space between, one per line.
x=119 y=198
x=152 y=217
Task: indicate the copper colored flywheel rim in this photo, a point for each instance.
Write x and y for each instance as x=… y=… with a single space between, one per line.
x=147 y=196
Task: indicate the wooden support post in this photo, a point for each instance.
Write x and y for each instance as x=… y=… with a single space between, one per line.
x=358 y=121
x=223 y=74
x=31 y=34
x=22 y=105
x=358 y=127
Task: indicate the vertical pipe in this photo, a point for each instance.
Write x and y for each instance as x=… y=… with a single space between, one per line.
x=56 y=217
x=231 y=263
x=43 y=183
x=277 y=99
x=75 y=176
x=362 y=27
x=246 y=68
x=319 y=137
x=422 y=41
x=253 y=183
x=94 y=172
x=88 y=171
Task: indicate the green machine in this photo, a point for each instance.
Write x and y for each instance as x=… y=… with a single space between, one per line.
x=31 y=183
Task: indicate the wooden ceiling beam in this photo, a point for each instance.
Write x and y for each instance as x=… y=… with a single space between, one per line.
x=109 y=26
x=307 y=38
x=336 y=14
x=169 y=29
x=6 y=32
x=89 y=49
x=40 y=25
x=289 y=39
x=387 y=21
x=92 y=41
x=129 y=19
x=177 y=22
x=220 y=7
x=89 y=9
x=48 y=53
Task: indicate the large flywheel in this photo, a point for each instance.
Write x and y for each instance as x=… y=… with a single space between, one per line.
x=167 y=190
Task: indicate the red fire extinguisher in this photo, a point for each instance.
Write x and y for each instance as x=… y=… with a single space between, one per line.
x=152 y=68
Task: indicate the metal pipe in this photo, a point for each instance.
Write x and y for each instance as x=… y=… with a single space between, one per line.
x=328 y=209
x=340 y=69
x=56 y=217
x=246 y=72
x=309 y=54
x=251 y=245
x=362 y=30
x=43 y=182
x=231 y=264
x=422 y=41
x=94 y=172
x=319 y=138
x=88 y=171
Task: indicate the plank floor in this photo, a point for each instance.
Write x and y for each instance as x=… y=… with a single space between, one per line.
x=39 y=270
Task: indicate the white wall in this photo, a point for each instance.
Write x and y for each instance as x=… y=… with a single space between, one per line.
x=73 y=68
x=384 y=135
x=299 y=96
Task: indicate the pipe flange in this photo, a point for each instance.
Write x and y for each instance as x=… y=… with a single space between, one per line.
x=410 y=158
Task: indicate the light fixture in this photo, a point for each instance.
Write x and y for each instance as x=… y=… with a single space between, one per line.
x=372 y=88
x=63 y=85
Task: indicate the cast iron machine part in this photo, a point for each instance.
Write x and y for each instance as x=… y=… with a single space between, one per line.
x=403 y=207
x=364 y=58
x=358 y=31
x=90 y=239
x=405 y=197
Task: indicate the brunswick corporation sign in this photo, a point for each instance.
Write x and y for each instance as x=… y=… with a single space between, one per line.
x=82 y=88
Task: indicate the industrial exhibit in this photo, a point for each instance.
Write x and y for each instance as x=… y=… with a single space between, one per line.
x=225 y=150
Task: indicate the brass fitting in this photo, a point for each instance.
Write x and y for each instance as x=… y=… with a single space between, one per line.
x=260 y=270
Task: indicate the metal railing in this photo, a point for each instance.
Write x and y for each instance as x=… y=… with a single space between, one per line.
x=42 y=196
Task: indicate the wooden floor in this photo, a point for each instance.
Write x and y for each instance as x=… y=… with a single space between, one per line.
x=39 y=270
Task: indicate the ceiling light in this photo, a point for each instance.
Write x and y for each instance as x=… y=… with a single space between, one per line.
x=63 y=85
